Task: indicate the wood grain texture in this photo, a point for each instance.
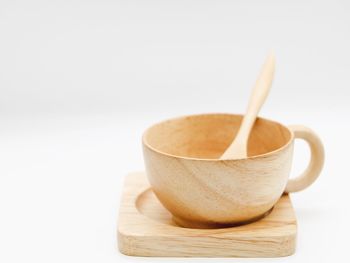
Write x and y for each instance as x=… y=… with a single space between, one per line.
x=145 y=228
x=183 y=165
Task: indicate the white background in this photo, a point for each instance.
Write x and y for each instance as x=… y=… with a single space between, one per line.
x=81 y=80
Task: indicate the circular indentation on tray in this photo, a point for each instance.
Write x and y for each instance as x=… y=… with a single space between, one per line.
x=148 y=204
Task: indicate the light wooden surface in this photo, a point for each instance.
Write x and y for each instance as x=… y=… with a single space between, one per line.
x=145 y=228
x=238 y=148
x=316 y=162
x=183 y=166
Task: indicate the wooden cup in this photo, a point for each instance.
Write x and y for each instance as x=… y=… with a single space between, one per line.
x=201 y=191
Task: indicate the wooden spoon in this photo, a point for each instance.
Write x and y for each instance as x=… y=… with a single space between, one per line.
x=238 y=148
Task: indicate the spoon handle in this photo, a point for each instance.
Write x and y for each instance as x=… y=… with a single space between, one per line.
x=238 y=148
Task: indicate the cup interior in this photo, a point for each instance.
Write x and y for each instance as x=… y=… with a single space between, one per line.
x=207 y=136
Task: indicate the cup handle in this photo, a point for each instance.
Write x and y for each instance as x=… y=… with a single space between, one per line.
x=316 y=161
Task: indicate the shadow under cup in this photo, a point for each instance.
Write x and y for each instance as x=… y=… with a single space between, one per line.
x=200 y=190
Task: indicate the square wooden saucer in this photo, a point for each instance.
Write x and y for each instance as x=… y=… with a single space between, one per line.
x=145 y=228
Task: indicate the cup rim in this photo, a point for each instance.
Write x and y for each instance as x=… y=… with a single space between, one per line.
x=267 y=154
